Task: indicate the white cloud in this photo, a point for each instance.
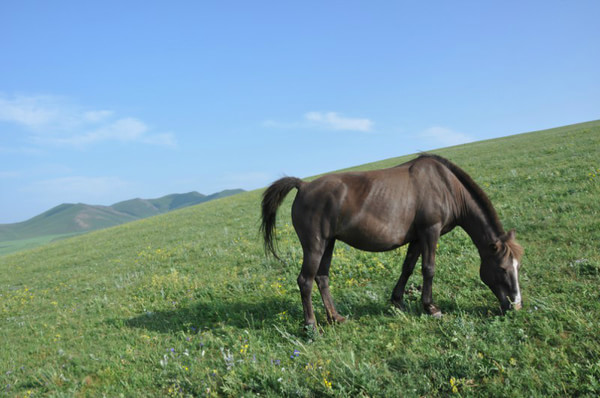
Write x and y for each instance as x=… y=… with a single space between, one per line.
x=31 y=111
x=164 y=139
x=324 y=121
x=122 y=130
x=333 y=121
x=439 y=137
x=128 y=129
x=51 y=120
x=97 y=116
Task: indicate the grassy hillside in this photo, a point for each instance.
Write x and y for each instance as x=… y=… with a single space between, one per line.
x=70 y=219
x=142 y=208
x=66 y=218
x=186 y=304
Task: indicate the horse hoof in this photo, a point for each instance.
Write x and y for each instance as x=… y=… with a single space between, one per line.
x=312 y=331
x=399 y=304
x=433 y=311
x=335 y=319
x=310 y=328
x=339 y=319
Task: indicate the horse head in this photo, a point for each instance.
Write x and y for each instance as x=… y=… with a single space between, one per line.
x=500 y=271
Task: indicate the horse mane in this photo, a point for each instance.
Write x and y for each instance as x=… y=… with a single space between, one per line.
x=476 y=192
x=514 y=248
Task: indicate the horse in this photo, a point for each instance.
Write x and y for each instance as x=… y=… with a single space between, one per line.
x=413 y=203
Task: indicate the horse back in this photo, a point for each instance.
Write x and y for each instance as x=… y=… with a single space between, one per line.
x=374 y=210
x=369 y=210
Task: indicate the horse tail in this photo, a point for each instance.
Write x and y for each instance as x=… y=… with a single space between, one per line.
x=272 y=199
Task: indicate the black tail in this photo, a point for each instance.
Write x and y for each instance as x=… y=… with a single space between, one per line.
x=272 y=199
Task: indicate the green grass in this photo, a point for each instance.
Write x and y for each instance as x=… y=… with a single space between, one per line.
x=186 y=304
x=11 y=246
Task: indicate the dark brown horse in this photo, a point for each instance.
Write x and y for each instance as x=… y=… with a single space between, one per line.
x=413 y=203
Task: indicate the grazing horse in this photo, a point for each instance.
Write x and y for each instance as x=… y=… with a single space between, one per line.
x=413 y=203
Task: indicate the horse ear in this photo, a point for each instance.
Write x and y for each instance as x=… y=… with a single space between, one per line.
x=511 y=234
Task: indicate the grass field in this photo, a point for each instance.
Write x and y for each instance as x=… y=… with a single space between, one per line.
x=11 y=246
x=186 y=304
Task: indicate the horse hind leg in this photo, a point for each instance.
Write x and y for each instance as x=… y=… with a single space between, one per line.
x=412 y=255
x=322 y=279
x=310 y=266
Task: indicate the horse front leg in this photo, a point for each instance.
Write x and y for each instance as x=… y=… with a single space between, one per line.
x=322 y=279
x=428 y=240
x=412 y=255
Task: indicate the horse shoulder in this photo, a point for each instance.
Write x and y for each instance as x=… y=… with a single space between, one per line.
x=438 y=192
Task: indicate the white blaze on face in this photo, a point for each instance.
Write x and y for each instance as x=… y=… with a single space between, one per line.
x=517 y=301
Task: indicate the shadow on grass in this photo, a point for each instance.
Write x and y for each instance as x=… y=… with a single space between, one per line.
x=216 y=312
x=414 y=308
x=474 y=308
x=235 y=312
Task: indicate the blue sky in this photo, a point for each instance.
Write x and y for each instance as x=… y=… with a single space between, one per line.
x=109 y=100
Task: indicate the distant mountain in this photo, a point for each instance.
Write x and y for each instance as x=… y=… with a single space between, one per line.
x=71 y=218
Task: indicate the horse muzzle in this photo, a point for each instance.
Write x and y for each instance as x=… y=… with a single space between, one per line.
x=507 y=304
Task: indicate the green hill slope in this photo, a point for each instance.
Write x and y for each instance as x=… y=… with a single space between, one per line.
x=186 y=304
x=142 y=208
x=70 y=219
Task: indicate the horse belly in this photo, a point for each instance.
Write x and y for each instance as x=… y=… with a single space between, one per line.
x=381 y=219
x=375 y=236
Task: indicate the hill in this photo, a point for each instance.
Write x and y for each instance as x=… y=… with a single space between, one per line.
x=69 y=219
x=186 y=304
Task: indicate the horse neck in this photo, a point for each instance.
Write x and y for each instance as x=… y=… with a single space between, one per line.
x=478 y=225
